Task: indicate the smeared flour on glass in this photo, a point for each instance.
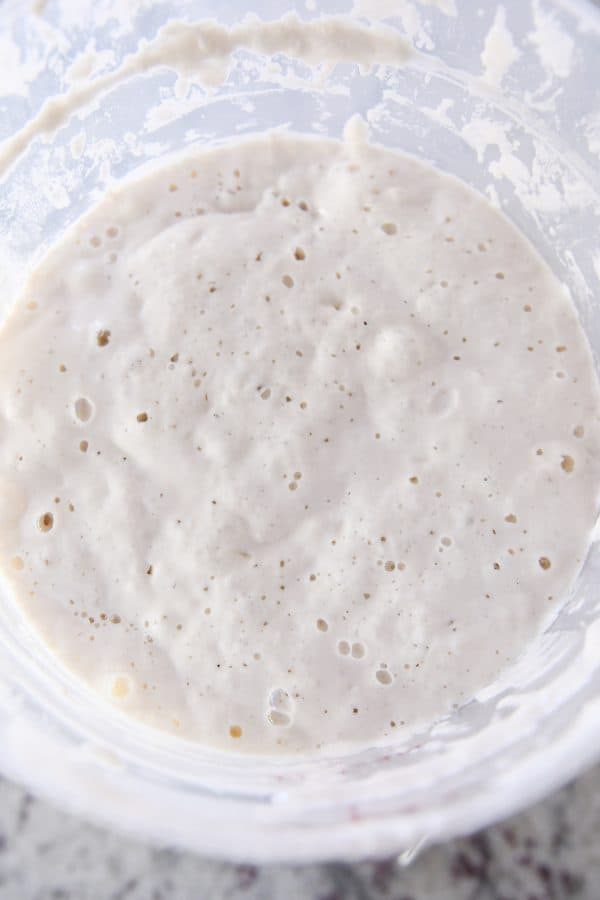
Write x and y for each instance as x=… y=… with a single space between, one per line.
x=300 y=445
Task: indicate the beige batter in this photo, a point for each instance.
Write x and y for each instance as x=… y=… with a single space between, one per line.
x=299 y=446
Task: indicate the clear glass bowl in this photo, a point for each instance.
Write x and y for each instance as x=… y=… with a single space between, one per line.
x=521 y=124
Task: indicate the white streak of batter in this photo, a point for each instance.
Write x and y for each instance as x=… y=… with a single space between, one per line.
x=201 y=53
x=499 y=51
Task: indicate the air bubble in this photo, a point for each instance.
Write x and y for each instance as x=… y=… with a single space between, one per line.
x=358 y=650
x=443 y=402
x=383 y=676
x=322 y=625
x=567 y=464
x=279 y=699
x=46 y=522
x=121 y=687
x=446 y=541
x=84 y=409
x=280 y=708
x=278 y=719
x=343 y=648
x=389 y=228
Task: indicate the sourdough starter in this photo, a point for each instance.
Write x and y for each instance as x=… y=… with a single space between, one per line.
x=300 y=446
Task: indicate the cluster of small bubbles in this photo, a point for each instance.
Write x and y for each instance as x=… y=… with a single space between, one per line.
x=280 y=708
x=356 y=650
x=293 y=485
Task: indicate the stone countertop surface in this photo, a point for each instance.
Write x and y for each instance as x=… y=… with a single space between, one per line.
x=549 y=852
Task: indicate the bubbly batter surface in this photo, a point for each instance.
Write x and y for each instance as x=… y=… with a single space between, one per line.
x=299 y=446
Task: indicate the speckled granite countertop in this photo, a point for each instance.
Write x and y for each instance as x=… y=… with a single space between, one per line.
x=547 y=853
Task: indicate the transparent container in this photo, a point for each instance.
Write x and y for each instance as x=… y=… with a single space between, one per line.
x=506 y=98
